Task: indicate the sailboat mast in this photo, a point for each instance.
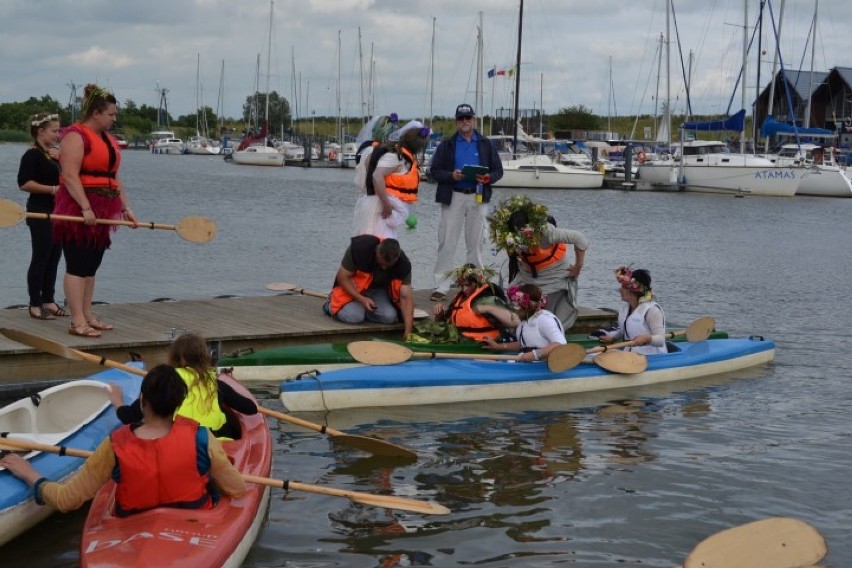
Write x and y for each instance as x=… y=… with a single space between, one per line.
x=807 y=122
x=339 y=126
x=745 y=71
x=479 y=72
x=771 y=104
x=268 y=69
x=668 y=112
x=518 y=79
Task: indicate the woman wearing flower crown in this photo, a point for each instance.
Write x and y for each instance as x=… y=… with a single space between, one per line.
x=539 y=253
x=38 y=175
x=641 y=319
x=91 y=189
x=479 y=310
x=539 y=332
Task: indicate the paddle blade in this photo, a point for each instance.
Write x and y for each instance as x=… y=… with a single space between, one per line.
x=282 y=287
x=11 y=213
x=197 y=229
x=375 y=446
x=399 y=503
x=623 y=362
x=378 y=352
x=565 y=357
x=700 y=329
x=780 y=542
x=42 y=344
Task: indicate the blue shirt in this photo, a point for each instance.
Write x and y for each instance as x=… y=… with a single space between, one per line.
x=467 y=154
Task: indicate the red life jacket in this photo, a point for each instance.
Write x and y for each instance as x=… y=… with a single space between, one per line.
x=469 y=323
x=100 y=165
x=403 y=186
x=542 y=257
x=159 y=473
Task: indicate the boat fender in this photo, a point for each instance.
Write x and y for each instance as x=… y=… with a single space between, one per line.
x=332 y=155
x=641 y=157
x=36 y=399
x=756 y=338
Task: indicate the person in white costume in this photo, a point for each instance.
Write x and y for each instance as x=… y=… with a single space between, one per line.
x=641 y=319
x=380 y=210
x=539 y=332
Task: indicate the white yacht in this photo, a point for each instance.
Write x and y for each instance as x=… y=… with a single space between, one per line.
x=538 y=171
x=821 y=176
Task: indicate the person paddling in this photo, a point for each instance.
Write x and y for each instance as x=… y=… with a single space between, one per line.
x=641 y=319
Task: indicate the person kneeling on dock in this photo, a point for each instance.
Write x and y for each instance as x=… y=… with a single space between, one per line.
x=641 y=319
x=539 y=332
x=373 y=284
x=161 y=462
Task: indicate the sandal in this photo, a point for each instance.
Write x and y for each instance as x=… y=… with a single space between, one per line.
x=96 y=323
x=83 y=330
x=55 y=310
x=41 y=313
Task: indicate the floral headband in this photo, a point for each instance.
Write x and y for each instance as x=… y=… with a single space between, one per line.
x=45 y=120
x=522 y=301
x=98 y=93
x=624 y=275
x=472 y=274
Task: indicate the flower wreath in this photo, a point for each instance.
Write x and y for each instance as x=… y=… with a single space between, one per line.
x=526 y=238
x=522 y=301
x=472 y=274
x=624 y=275
x=44 y=120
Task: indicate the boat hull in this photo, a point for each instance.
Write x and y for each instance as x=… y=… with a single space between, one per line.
x=446 y=381
x=731 y=179
x=825 y=181
x=540 y=172
x=165 y=537
x=75 y=414
x=289 y=361
x=258 y=156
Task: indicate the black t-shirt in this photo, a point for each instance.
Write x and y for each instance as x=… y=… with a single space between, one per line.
x=361 y=255
x=38 y=167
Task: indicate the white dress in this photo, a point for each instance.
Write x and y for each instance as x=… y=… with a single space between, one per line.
x=367 y=217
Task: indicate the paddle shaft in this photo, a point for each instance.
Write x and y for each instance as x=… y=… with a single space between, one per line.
x=144 y=225
x=474 y=356
x=604 y=348
x=387 y=501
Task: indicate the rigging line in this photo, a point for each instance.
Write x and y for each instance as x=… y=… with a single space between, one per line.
x=740 y=76
x=682 y=67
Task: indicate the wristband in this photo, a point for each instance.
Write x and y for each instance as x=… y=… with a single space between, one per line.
x=37 y=490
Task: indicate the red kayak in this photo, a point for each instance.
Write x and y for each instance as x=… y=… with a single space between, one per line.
x=164 y=537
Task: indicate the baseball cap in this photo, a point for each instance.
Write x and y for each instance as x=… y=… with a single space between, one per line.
x=464 y=110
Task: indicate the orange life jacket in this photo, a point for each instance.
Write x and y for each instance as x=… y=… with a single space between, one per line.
x=363 y=277
x=542 y=257
x=403 y=186
x=159 y=473
x=99 y=166
x=469 y=323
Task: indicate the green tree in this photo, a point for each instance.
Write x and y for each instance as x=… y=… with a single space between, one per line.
x=254 y=110
x=575 y=118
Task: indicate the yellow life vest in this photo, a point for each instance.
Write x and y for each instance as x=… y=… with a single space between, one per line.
x=201 y=403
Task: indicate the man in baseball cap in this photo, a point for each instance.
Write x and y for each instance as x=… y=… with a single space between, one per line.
x=464 y=110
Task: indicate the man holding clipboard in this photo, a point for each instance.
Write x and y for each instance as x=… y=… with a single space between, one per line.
x=464 y=166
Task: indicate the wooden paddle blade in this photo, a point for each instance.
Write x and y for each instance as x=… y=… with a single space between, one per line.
x=779 y=542
x=42 y=344
x=11 y=213
x=375 y=446
x=700 y=329
x=282 y=287
x=379 y=352
x=565 y=357
x=623 y=362
x=197 y=229
x=383 y=501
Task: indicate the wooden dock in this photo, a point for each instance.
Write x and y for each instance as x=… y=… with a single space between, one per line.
x=228 y=324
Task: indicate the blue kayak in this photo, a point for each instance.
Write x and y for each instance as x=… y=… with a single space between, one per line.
x=441 y=381
x=76 y=414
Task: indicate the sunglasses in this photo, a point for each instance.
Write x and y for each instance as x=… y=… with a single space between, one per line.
x=465 y=117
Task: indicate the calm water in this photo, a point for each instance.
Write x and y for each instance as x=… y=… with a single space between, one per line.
x=635 y=477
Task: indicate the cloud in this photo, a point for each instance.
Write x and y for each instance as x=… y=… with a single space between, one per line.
x=95 y=57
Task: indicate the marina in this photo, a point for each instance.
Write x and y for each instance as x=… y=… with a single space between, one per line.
x=604 y=469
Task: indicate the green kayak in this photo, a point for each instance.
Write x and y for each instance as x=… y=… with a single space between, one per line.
x=278 y=363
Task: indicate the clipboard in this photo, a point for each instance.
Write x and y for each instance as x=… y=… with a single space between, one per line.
x=470 y=172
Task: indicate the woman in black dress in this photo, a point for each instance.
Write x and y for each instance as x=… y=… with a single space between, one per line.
x=38 y=175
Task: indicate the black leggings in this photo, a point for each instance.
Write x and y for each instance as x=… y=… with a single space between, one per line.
x=82 y=259
x=41 y=275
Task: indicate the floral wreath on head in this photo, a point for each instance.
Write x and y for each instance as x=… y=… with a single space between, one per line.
x=472 y=274
x=522 y=301
x=624 y=275
x=40 y=120
x=525 y=238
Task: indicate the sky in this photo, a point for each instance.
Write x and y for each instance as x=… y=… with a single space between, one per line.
x=414 y=57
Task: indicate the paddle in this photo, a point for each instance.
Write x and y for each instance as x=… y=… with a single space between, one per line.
x=287 y=287
x=386 y=353
x=779 y=542
x=563 y=357
x=385 y=501
x=373 y=445
x=194 y=229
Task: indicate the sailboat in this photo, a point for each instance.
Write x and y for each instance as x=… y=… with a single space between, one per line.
x=537 y=170
x=709 y=166
x=255 y=151
x=200 y=144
